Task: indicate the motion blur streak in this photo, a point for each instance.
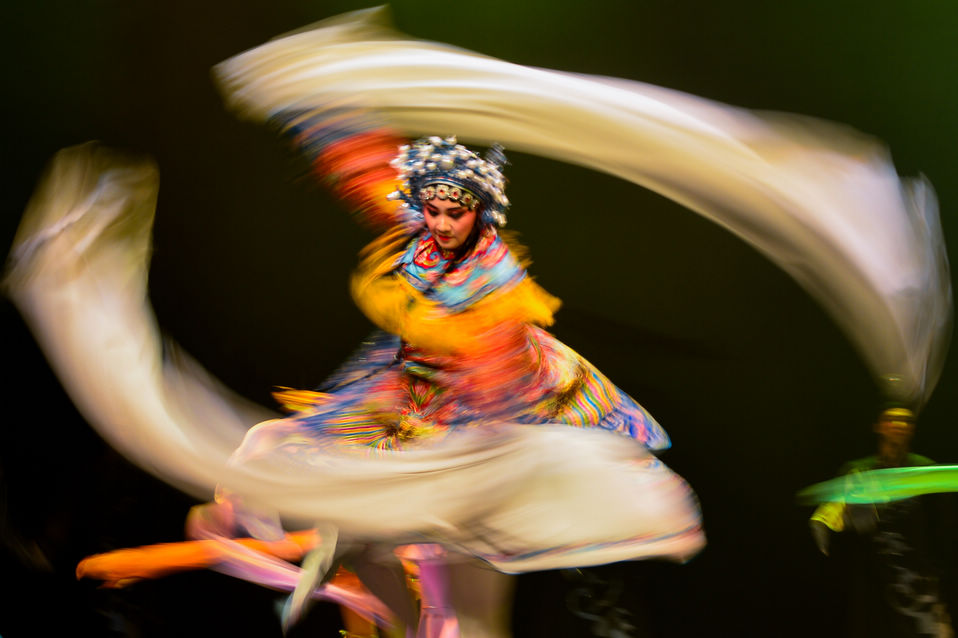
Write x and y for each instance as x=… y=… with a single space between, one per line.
x=820 y=200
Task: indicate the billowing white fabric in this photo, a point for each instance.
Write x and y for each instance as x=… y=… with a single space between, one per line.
x=821 y=201
x=522 y=497
x=77 y=273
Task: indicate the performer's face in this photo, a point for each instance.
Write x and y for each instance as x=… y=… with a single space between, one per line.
x=449 y=223
x=895 y=429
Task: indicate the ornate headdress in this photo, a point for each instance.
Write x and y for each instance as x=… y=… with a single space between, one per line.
x=440 y=168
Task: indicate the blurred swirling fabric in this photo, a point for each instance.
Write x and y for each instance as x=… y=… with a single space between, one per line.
x=522 y=497
x=822 y=201
x=883 y=485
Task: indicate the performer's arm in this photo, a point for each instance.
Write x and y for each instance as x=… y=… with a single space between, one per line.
x=827 y=518
x=839 y=516
x=350 y=153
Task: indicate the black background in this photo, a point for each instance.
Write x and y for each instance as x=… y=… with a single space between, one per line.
x=759 y=390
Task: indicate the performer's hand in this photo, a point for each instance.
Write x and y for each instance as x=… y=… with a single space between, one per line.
x=821 y=535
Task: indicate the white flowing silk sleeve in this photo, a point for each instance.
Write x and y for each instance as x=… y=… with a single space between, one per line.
x=822 y=201
x=78 y=274
x=562 y=496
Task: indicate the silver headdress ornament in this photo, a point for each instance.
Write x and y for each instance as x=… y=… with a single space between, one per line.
x=434 y=167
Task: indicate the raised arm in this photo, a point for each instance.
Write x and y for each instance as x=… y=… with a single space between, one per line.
x=350 y=153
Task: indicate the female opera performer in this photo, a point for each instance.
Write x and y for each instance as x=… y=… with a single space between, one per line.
x=461 y=352
x=461 y=342
x=462 y=427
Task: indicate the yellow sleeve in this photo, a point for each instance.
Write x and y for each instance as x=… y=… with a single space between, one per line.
x=832 y=515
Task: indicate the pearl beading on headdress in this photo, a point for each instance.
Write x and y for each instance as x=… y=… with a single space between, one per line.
x=452 y=192
x=440 y=168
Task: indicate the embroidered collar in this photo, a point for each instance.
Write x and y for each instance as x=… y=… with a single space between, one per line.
x=457 y=282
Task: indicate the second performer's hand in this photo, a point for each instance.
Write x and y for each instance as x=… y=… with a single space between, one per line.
x=821 y=535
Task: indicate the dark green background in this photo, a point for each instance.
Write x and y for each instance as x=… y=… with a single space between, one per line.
x=760 y=392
